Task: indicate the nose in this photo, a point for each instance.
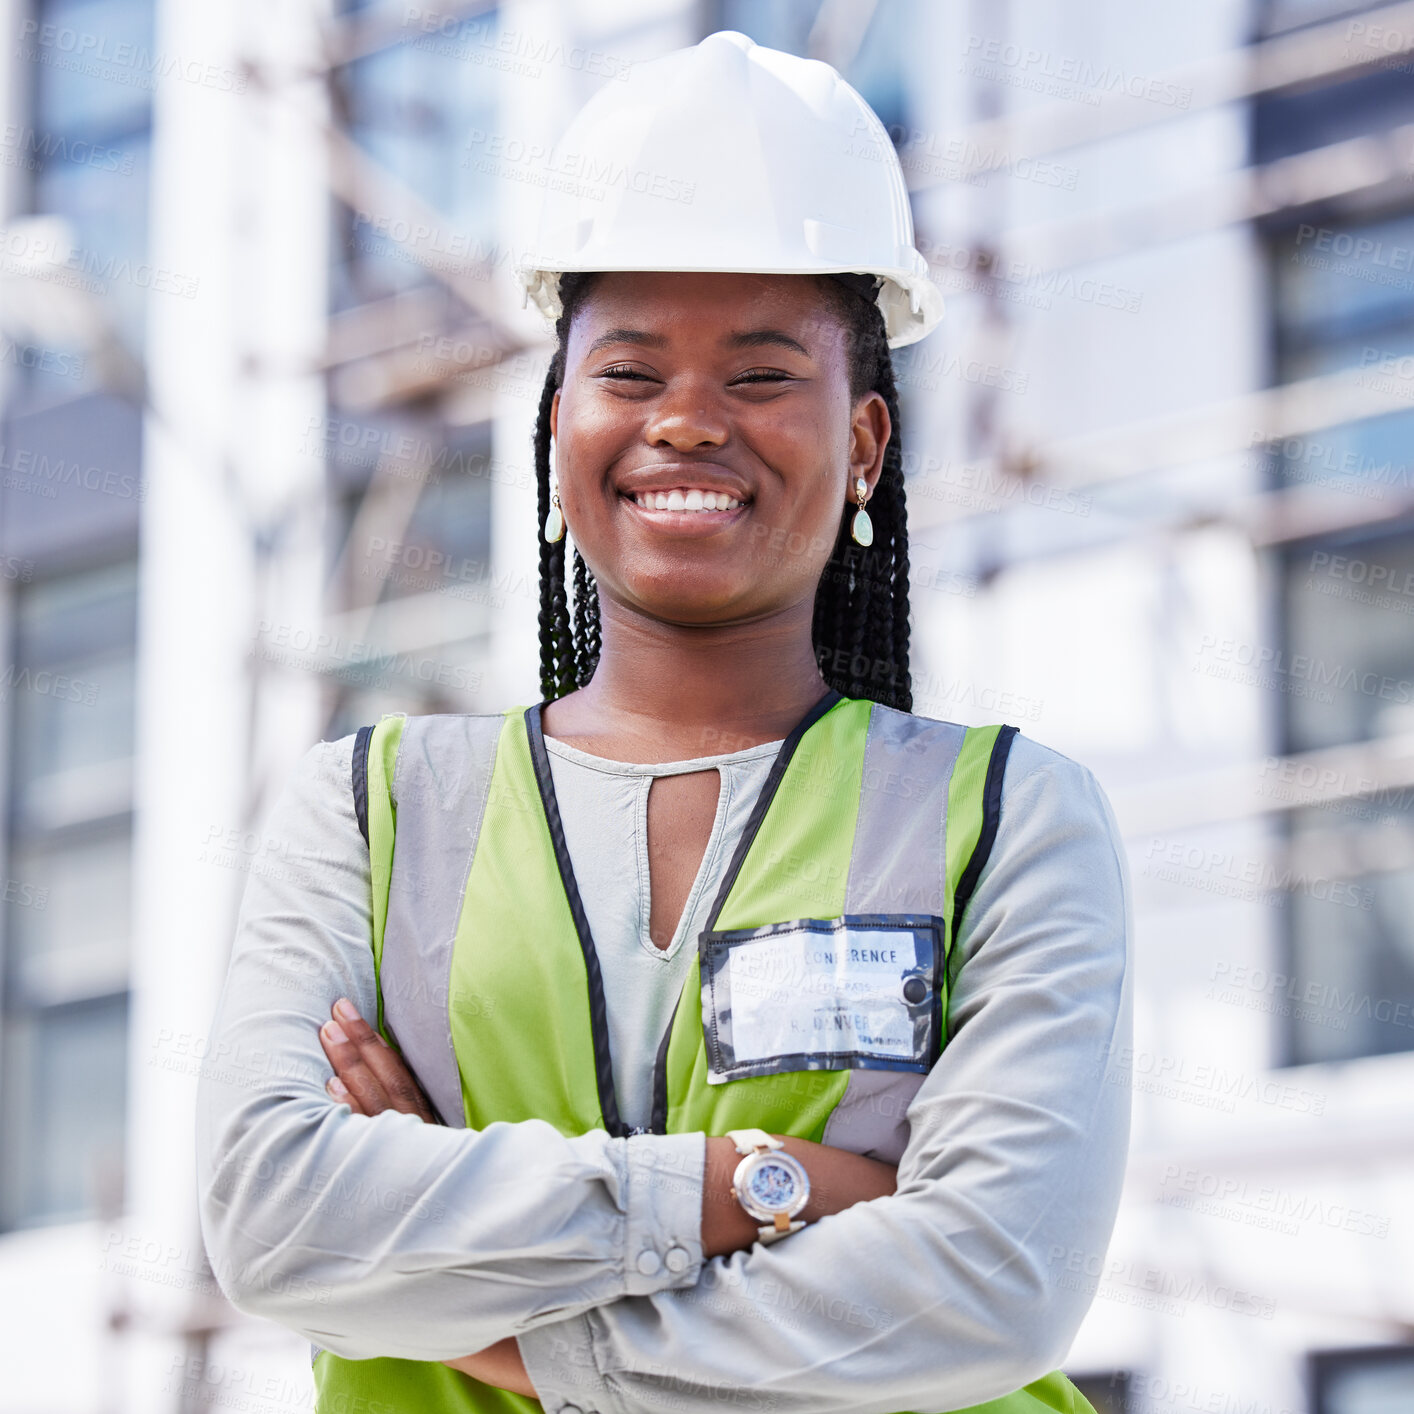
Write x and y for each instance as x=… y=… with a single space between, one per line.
x=686 y=418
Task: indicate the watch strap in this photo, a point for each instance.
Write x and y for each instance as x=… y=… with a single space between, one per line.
x=769 y=1232
x=752 y=1141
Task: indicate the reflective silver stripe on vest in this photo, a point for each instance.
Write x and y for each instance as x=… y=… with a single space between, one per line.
x=898 y=865
x=440 y=785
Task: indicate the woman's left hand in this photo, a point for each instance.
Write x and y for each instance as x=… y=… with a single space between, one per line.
x=369 y=1076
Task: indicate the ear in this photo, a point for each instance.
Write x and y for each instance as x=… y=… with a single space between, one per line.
x=555 y=415
x=869 y=435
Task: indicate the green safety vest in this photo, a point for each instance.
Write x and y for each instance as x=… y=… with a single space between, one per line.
x=869 y=815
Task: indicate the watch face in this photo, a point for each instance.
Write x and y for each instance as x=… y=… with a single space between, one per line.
x=773 y=1185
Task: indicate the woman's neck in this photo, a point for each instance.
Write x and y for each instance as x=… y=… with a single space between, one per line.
x=665 y=692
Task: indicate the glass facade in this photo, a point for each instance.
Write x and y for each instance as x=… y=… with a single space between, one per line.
x=1109 y=1393
x=68 y=609
x=1344 y=301
x=1378 y=1381
x=91 y=67
x=423 y=106
x=69 y=703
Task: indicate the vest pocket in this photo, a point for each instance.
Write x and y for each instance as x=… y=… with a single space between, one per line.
x=856 y=992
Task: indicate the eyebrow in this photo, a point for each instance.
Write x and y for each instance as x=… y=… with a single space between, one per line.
x=626 y=336
x=758 y=338
x=745 y=339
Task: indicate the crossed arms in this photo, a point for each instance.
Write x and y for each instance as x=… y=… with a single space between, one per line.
x=383 y=1235
x=370 y=1077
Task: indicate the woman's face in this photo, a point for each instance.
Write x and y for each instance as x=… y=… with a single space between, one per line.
x=723 y=385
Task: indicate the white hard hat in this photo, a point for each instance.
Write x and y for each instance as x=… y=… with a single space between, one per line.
x=730 y=156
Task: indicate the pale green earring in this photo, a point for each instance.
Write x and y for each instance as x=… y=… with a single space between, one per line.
x=555 y=517
x=555 y=520
x=862 y=528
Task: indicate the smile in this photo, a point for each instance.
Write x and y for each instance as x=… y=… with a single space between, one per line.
x=685 y=498
x=686 y=511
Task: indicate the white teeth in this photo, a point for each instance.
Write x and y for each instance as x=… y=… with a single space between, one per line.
x=694 y=499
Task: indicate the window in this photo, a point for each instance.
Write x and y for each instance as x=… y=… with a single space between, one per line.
x=421 y=100
x=1344 y=301
x=425 y=107
x=1370 y=1381
x=92 y=67
x=1109 y=1393
x=430 y=545
x=68 y=700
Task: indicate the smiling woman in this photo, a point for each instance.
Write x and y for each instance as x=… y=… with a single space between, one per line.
x=774 y=392
x=718 y=1029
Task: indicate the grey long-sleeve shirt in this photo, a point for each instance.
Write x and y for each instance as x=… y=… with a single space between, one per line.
x=385 y=1236
x=604 y=808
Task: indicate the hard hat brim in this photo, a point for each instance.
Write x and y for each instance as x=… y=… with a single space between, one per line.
x=911 y=304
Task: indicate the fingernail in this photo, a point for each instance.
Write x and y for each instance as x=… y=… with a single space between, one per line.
x=345 y=1008
x=335 y=1086
x=334 y=1033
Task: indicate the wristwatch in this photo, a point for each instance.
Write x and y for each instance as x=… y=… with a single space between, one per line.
x=772 y=1187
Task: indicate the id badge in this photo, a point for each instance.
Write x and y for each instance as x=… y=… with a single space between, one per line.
x=859 y=991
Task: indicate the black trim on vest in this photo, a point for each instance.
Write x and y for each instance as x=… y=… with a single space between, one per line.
x=598 y=1012
x=360 y=779
x=991 y=817
x=658 y=1123
x=658 y=1120
x=981 y=851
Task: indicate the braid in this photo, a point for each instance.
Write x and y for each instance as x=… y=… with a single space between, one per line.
x=556 y=646
x=584 y=592
x=860 y=619
x=569 y=651
x=592 y=639
x=894 y=513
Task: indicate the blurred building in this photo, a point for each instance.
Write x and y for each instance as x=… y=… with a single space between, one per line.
x=266 y=394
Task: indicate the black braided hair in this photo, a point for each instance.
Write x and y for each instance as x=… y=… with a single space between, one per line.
x=860 y=624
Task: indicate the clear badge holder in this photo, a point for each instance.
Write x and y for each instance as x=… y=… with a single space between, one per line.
x=861 y=991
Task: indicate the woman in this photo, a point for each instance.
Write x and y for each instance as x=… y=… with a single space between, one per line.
x=718 y=909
